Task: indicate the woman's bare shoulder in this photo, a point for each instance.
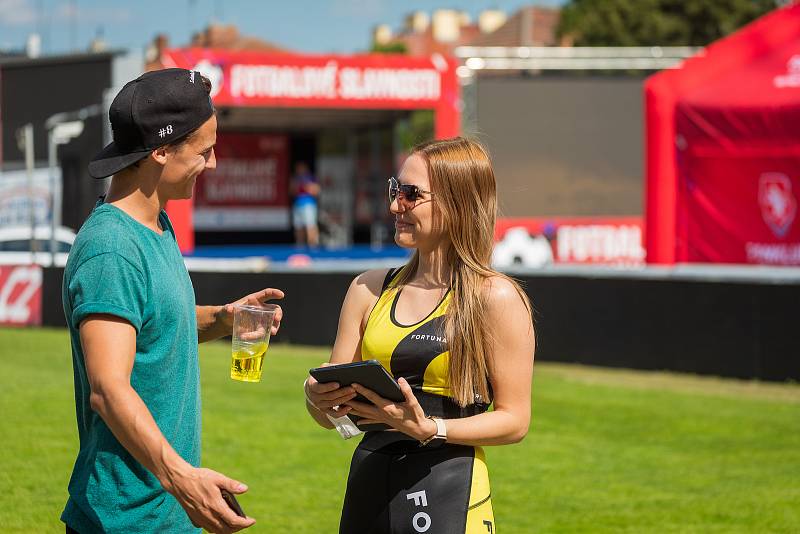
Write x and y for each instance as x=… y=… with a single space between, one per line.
x=502 y=294
x=368 y=284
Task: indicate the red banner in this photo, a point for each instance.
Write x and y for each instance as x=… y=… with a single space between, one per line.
x=739 y=210
x=244 y=78
x=535 y=242
x=21 y=295
x=249 y=188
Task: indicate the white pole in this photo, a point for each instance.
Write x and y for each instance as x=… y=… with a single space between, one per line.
x=51 y=162
x=28 y=137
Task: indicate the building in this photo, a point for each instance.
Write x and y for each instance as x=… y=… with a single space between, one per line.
x=446 y=29
x=224 y=36
x=528 y=26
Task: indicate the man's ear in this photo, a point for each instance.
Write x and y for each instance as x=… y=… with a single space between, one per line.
x=159 y=155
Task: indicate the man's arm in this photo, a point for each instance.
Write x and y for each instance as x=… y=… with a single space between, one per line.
x=214 y=322
x=209 y=323
x=109 y=347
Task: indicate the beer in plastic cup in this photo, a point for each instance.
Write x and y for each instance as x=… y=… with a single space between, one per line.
x=251 y=332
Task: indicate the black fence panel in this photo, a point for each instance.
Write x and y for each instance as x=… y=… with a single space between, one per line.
x=726 y=328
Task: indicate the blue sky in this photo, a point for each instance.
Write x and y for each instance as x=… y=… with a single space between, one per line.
x=303 y=25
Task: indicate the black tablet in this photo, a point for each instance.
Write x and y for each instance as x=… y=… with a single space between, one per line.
x=370 y=374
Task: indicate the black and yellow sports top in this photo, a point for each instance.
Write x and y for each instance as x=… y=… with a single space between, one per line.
x=417 y=352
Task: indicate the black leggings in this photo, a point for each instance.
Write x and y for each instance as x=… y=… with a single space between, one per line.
x=71 y=530
x=397 y=487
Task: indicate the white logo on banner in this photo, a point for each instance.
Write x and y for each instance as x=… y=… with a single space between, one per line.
x=792 y=76
x=16 y=307
x=213 y=73
x=518 y=247
x=777 y=202
x=331 y=82
x=600 y=243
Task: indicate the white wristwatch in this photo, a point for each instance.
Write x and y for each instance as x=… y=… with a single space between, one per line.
x=441 y=432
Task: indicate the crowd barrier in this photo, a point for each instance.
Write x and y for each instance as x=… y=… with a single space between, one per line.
x=727 y=322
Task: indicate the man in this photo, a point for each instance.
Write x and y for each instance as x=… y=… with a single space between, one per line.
x=305 y=190
x=134 y=326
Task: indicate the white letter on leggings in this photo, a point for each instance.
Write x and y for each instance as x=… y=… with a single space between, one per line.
x=419 y=498
x=426 y=526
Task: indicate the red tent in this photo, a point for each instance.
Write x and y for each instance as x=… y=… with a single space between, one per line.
x=723 y=150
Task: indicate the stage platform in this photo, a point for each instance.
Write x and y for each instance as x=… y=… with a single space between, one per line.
x=284 y=258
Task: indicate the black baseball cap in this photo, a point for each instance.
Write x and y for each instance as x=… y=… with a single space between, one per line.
x=153 y=110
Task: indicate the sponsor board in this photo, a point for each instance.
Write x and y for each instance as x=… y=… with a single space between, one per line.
x=249 y=188
x=20 y=295
x=536 y=242
x=18 y=202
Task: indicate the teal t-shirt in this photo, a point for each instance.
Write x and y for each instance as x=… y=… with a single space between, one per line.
x=120 y=267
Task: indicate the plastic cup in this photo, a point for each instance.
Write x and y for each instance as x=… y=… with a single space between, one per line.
x=250 y=340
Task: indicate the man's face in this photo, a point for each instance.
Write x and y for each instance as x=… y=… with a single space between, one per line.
x=187 y=161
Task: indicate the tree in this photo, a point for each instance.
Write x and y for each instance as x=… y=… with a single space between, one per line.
x=418 y=128
x=395 y=47
x=656 y=22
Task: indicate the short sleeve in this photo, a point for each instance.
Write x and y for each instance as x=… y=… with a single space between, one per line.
x=107 y=283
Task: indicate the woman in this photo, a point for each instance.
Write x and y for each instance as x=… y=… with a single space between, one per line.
x=456 y=335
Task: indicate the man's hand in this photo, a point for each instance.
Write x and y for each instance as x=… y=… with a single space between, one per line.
x=198 y=492
x=225 y=315
x=214 y=322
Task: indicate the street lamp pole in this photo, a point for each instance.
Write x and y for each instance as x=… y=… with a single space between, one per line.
x=58 y=134
x=55 y=196
x=25 y=143
x=61 y=128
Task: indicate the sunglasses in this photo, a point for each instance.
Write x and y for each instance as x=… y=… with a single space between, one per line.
x=407 y=192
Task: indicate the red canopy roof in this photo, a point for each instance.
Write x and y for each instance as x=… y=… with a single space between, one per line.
x=740 y=96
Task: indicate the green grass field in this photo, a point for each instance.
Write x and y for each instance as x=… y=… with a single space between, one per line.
x=608 y=451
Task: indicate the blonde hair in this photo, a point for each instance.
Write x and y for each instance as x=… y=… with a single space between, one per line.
x=465 y=208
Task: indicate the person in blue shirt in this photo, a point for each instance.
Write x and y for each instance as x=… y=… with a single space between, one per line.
x=305 y=191
x=134 y=325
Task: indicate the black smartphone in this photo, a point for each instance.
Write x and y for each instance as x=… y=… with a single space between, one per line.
x=229 y=498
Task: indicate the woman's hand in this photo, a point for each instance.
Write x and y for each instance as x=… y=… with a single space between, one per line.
x=407 y=417
x=325 y=396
